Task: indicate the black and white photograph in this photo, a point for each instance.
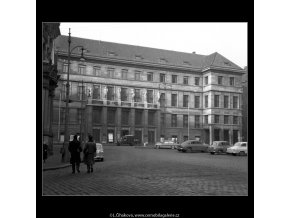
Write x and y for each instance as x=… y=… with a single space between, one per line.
x=145 y=109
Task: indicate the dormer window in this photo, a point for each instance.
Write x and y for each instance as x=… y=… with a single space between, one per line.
x=227 y=63
x=163 y=60
x=138 y=57
x=112 y=53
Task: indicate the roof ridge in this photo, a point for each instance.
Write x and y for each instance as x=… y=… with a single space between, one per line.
x=160 y=49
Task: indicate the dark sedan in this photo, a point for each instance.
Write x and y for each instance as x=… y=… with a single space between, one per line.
x=193 y=146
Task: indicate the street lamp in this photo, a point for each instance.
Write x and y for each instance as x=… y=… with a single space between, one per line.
x=66 y=137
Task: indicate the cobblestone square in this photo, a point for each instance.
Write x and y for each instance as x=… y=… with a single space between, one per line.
x=162 y=172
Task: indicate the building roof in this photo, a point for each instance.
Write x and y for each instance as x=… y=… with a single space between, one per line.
x=145 y=54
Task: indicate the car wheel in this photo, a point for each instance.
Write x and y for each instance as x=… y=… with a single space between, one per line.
x=242 y=153
x=212 y=153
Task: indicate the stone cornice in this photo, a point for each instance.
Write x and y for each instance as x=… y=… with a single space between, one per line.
x=135 y=62
x=224 y=70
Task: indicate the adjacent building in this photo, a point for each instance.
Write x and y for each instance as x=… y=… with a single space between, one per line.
x=151 y=93
x=49 y=80
x=245 y=106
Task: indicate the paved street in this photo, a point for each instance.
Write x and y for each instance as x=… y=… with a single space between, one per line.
x=140 y=171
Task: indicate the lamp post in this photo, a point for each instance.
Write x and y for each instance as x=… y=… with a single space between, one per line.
x=66 y=137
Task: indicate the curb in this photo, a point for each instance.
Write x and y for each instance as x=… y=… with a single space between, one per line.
x=55 y=168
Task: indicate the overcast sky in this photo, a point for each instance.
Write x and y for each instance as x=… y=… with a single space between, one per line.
x=228 y=39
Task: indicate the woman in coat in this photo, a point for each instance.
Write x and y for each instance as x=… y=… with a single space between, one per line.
x=89 y=154
x=75 y=149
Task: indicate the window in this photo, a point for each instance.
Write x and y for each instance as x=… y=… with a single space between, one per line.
x=162 y=117
x=185 y=100
x=96 y=92
x=206 y=119
x=81 y=92
x=196 y=101
x=97 y=115
x=216 y=101
x=185 y=121
x=173 y=120
x=174 y=78
x=138 y=117
x=151 y=120
x=235 y=119
x=216 y=118
x=111 y=116
x=137 y=75
x=185 y=80
x=232 y=81
x=137 y=97
x=220 y=80
x=82 y=70
x=150 y=96
x=56 y=114
x=125 y=117
x=226 y=119
x=124 y=94
x=197 y=121
x=73 y=115
x=162 y=77
x=206 y=101
x=111 y=72
x=206 y=80
x=226 y=101
x=196 y=81
x=235 y=101
x=174 y=100
x=124 y=74
x=65 y=68
x=97 y=71
x=110 y=94
x=149 y=76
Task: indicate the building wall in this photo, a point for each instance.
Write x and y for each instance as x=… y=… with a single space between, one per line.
x=169 y=88
x=49 y=78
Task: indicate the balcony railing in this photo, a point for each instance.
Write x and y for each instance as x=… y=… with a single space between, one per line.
x=123 y=103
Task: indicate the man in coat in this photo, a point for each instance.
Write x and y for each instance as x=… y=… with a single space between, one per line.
x=75 y=149
x=89 y=153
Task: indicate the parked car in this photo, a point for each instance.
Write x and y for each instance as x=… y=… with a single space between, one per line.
x=127 y=140
x=99 y=156
x=192 y=146
x=166 y=144
x=218 y=147
x=240 y=148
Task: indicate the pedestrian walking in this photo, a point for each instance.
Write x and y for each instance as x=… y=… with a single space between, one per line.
x=75 y=149
x=89 y=153
x=45 y=151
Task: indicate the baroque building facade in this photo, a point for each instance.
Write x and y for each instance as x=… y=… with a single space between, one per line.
x=151 y=93
x=49 y=80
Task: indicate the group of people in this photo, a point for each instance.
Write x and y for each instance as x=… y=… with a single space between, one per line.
x=89 y=151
